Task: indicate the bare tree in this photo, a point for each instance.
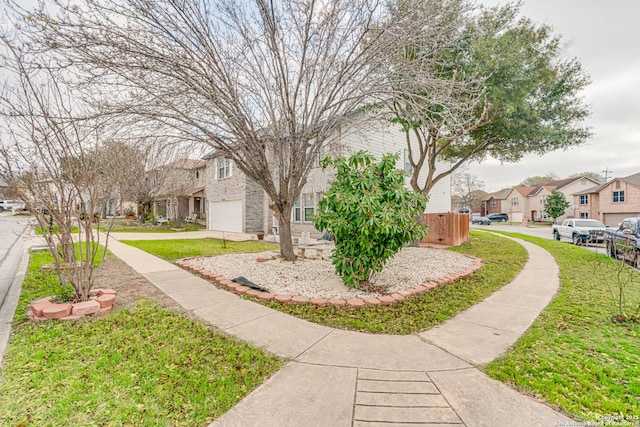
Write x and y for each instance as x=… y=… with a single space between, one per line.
x=468 y=188
x=266 y=83
x=50 y=159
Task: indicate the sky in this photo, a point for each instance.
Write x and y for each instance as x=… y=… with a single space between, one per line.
x=604 y=36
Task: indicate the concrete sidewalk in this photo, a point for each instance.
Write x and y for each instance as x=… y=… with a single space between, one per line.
x=350 y=379
x=202 y=234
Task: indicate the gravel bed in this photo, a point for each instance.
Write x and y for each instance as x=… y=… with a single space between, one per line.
x=317 y=279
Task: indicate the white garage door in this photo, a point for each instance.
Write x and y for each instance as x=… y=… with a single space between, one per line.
x=515 y=217
x=613 y=219
x=225 y=216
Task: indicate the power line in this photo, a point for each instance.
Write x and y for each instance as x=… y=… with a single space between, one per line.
x=606 y=172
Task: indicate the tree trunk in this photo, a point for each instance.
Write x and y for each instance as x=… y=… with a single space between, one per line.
x=286 y=244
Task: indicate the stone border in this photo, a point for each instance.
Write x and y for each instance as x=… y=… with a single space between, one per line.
x=403 y=294
x=101 y=302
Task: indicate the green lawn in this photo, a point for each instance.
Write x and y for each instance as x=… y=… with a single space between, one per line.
x=574 y=356
x=134 y=226
x=143 y=366
x=503 y=261
x=39 y=231
x=174 y=249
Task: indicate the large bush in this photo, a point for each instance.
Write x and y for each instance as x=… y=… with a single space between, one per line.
x=371 y=214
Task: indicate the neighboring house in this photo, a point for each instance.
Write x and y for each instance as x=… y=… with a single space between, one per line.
x=569 y=187
x=516 y=203
x=236 y=203
x=6 y=192
x=610 y=202
x=528 y=203
x=181 y=193
x=531 y=200
x=495 y=202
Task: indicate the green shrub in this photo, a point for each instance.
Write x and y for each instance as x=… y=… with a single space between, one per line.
x=371 y=214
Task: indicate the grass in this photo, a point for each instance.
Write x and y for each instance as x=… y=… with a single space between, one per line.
x=39 y=230
x=503 y=261
x=574 y=356
x=174 y=249
x=134 y=226
x=143 y=366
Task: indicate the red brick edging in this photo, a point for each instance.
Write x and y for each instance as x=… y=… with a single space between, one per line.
x=101 y=302
x=238 y=289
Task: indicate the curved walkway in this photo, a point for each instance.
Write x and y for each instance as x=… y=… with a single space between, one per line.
x=341 y=378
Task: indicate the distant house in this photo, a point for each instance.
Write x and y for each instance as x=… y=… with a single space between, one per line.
x=181 y=189
x=237 y=203
x=528 y=203
x=516 y=203
x=610 y=202
x=531 y=200
x=6 y=192
x=495 y=202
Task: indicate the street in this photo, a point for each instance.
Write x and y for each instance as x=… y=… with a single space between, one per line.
x=11 y=249
x=544 y=232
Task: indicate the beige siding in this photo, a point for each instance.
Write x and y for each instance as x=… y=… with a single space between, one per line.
x=535 y=205
x=631 y=202
x=514 y=206
x=576 y=187
x=381 y=140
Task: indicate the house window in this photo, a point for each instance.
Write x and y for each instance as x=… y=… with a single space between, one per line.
x=492 y=203
x=304 y=209
x=584 y=199
x=408 y=169
x=309 y=207
x=543 y=200
x=618 y=196
x=515 y=201
x=296 y=211
x=224 y=168
x=584 y=215
x=197 y=174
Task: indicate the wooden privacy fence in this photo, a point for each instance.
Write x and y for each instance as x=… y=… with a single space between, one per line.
x=449 y=229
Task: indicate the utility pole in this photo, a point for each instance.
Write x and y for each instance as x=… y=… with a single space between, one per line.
x=606 y=172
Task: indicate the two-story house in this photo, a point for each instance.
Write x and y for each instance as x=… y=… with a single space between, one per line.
x=610 y=202
x=181 y=189
x=237 y=203
x=496 y=202
x=528 y=203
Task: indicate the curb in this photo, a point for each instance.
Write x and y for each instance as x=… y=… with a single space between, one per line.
x=10 y=303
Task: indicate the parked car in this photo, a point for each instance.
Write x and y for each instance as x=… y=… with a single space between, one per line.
x=580 y=230
x=498 y=217
x=12 y=205
x=624 y=241
x=482 y=220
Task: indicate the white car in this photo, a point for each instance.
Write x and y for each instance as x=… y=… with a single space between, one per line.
x=12 y=205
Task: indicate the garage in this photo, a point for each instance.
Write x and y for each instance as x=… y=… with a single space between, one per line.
x=515 y=217
x=613 y=219
x=225 y=216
